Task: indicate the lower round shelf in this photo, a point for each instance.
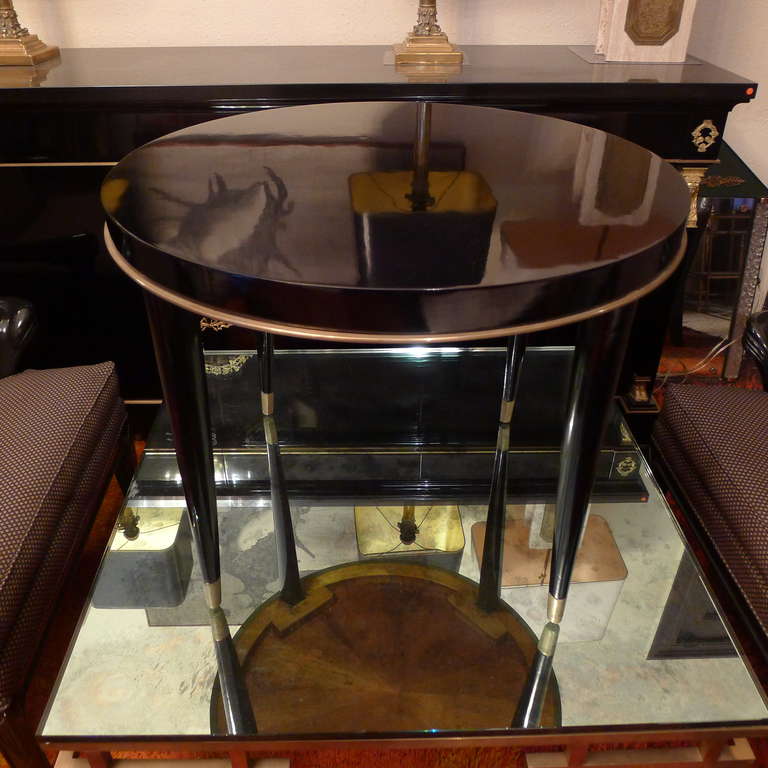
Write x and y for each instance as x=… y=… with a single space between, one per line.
x=382 y=648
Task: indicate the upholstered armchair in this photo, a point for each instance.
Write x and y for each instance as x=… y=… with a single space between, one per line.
x=710 y=448
x=63 y=433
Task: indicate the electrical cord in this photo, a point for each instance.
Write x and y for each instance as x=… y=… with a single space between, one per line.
x=718 y=349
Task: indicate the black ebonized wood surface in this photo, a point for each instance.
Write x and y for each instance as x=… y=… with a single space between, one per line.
x=95 y=105
x=313 y=217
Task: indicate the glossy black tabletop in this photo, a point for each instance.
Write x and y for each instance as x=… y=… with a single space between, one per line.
x=315 y=218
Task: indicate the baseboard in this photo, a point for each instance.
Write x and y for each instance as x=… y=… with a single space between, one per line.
x=68 y=760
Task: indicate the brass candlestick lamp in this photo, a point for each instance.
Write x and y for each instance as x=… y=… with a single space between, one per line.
x=427 y=44
x=17 y=47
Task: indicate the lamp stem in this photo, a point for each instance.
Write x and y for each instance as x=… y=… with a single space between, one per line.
x=427 y=19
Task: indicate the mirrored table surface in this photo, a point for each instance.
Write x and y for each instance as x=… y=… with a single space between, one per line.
x=407 y=654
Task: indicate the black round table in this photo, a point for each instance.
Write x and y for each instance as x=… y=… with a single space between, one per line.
x=390 y=222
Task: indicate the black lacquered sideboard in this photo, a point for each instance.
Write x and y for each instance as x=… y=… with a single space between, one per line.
x=66 y=123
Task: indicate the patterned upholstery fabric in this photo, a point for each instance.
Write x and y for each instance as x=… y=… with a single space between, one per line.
x=715 y=440
x=58 y=440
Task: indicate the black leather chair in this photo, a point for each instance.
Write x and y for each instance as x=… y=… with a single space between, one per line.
x=18 y=324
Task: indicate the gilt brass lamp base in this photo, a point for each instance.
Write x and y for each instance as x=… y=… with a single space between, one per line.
x=428 y=50
x=26 y=50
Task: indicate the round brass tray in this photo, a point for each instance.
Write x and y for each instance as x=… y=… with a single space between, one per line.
x=382 y=648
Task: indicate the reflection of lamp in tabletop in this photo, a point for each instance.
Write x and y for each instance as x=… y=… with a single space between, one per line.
x=419 y=227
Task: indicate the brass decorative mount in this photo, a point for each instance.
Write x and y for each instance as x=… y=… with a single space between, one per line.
x=18 y=48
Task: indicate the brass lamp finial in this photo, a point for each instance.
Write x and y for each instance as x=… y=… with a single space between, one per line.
x=427 y=44
x=17 y=47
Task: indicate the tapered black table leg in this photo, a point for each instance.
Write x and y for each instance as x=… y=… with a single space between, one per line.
x=176 y=337
x=287 y=562
x=531 y=705
x=600 y=348
x=488 y=595
x=238 y=711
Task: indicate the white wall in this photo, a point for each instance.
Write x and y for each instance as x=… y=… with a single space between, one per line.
x=93 y=23
x=731 y=33
x=734 y=34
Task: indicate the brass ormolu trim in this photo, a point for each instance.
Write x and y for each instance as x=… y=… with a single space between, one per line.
x=212 y=593
x=219 y=626
x=687 y=161
x=703 y=141
x=548 y=639
x=267 y=403
x=233 y=365
x=213 y=325
x=507 y=408
x=653 y=22
x=302 y=332
x=627 y=466
x=693 y=177
x=502 y=440
x=555 y=609
x=270 y=430
x=722 y=181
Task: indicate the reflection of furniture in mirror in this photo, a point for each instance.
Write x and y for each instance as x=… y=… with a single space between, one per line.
x=690 y=627
x=150 y=568
x=431 y=534
x=598 y=575
x=530 y=708
x=386 y=647
x=407 y=222
x=719 y=292
x=719 y=262
x=598 y=183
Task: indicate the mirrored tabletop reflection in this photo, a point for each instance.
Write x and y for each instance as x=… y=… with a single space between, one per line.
x=641 y=643
x=336 y=195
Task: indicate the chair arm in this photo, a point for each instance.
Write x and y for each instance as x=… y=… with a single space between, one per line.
x=17 y=326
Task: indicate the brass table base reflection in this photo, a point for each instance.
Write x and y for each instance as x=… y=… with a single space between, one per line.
x=384 y=647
